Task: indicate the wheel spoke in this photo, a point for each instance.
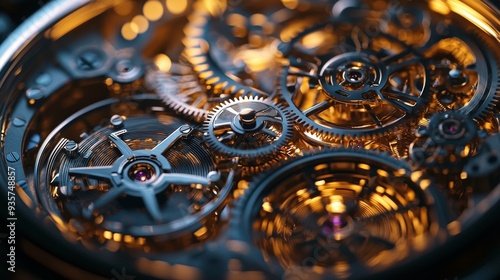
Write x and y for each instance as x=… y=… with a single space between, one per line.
x=170 y=140
x=270 y=119
x=221 y=125
x=346 y=251
x=305 y=223
x=395 y=67
x=375 y=239
x=301 y=73
x=151 y=203
x=396 y=57
x=120 y=144
x=400 y=104
x=102 y=201
x=183 y=179
x=401 y=95
x=372 y=115
x=96 y=172
x=318 y=108
x=270 y=132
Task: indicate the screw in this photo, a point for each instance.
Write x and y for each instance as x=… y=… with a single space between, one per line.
x=18 y=122
x=116 y=121
x=185 y=129
x=12 y=157
x=421 y=132
x=35 y=92
x=124 y=66
x=89 y=60
x=213 y=176
x=71 y=148
x=457 y=77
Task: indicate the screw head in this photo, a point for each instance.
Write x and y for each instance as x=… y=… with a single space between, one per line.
x=116 y=121
x=248 y=118
x=71 y=148
x=36 y=92
x=186 y=129
x=12 y=157
x=89 y=60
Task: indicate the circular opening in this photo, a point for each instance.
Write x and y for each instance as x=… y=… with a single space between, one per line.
x=141 y=172
x=452 y=129
x=333 y=224
x=355 y=75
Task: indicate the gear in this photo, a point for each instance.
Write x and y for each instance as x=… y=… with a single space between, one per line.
x=236 y=54
x=249 y=128
x=353 y=84
x=464 y=76
x=487 y=161
x=206 y=56
x=182 y=91
x=355 y=204
x=448 y=140
x=129 y=169
x=409 y=24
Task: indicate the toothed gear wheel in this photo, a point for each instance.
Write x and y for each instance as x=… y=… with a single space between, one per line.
x=203 y=52
x=447 y=141
x=487 y=161
x=133 y=178
x=235 y=52
x=181 y=90
x=355 y=205
x=353 y=83
x=464 y=75
x=249 y=128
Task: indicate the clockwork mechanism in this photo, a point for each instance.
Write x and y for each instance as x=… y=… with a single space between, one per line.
x=249 y=128
x=278 y=139
x=340 y=213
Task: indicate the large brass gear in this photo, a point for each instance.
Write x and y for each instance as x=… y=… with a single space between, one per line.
x=235 y=53
x=338 y=207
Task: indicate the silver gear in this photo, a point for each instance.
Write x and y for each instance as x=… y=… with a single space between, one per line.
x=349 y=90
x=248 y=128
x=182 y=91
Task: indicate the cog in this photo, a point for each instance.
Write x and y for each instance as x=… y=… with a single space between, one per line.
x=487 y=162
x=352 y=83
x=409 y=24
x=449 y=139
x=182 y=91
x=236 y=53
x=464 y=73
x=249 y=128
x=356 y=204
x=142 y=177
x=207 y=57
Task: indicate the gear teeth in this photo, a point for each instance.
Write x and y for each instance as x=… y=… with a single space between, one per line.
x=262 y=185
x=249 y=156
x=329 y=130
x=197 y=54
x=493 y=97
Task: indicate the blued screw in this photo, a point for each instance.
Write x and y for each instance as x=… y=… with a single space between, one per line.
x=89 y=60
x=116 y=121
x=185 y=129
x=12 y=157
x=71 y=148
